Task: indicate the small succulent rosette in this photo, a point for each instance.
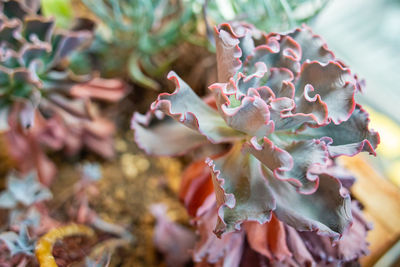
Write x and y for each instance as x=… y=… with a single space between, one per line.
x=34 y=66
x=286 y=108
x=142 y=35
x=37 y=85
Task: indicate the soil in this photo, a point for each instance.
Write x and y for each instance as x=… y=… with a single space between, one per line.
x=129 y=185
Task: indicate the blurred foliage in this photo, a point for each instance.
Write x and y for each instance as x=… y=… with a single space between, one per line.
x=266 y=15
x=61 y=9
x=33 y=64
x=133 y=31
x=140 y=38
x=18 y=243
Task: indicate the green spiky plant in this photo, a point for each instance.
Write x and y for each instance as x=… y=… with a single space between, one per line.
x=268 y=15
x=138 y=35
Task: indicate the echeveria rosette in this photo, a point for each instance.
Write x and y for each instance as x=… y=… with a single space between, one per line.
x=34 y=67
x=31 y=50
x=286 y=105
x=38 y=84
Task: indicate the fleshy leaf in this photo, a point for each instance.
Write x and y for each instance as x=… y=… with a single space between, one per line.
x=313 y=47
x=4 y=120
x=227 y=249
x=27 y=190
x=298 y=163
x=298 y=249
x=38 y=27
x=150 y=135
x=91 y=171
x=170 y=238
x=327 y=211
x=19 y=9
x=7 y=200
x=186 y=107
x=251 y=117
x=350 y=137
x=282 y=115
x=18 y=243
x=268 y=239
x=196 y=186
x=64 y=44
x=279 y=80
x=111 y=90
x=278 y=52
x=241 y=191
x=228 y=52
x=328 y=85
x=352 y=246
x=27 y=114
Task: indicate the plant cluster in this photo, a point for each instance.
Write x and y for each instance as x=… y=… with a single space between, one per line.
x=148 y=37
x=45 y=106
x=265 y=15
x=261 y=182
x=39 y=90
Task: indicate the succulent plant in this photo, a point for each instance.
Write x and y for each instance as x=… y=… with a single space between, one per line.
x=18 y=243
x=37 y=84
x=147 y=37
x=285 y=106
x=25 y=191
x=141 y=35
x=33 y=52
x=265 y=15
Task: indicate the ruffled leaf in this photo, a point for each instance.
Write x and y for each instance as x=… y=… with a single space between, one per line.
x=312 y=45
x=327 y=211
x=186 y=107
x=298 y=163
x=251 y=117
x=327 y=87
x=350 y=137
x=352 y=246
x=241 y=191
x=228 y=52
x=278 y=52
x=282 y=115
x=280 y=81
